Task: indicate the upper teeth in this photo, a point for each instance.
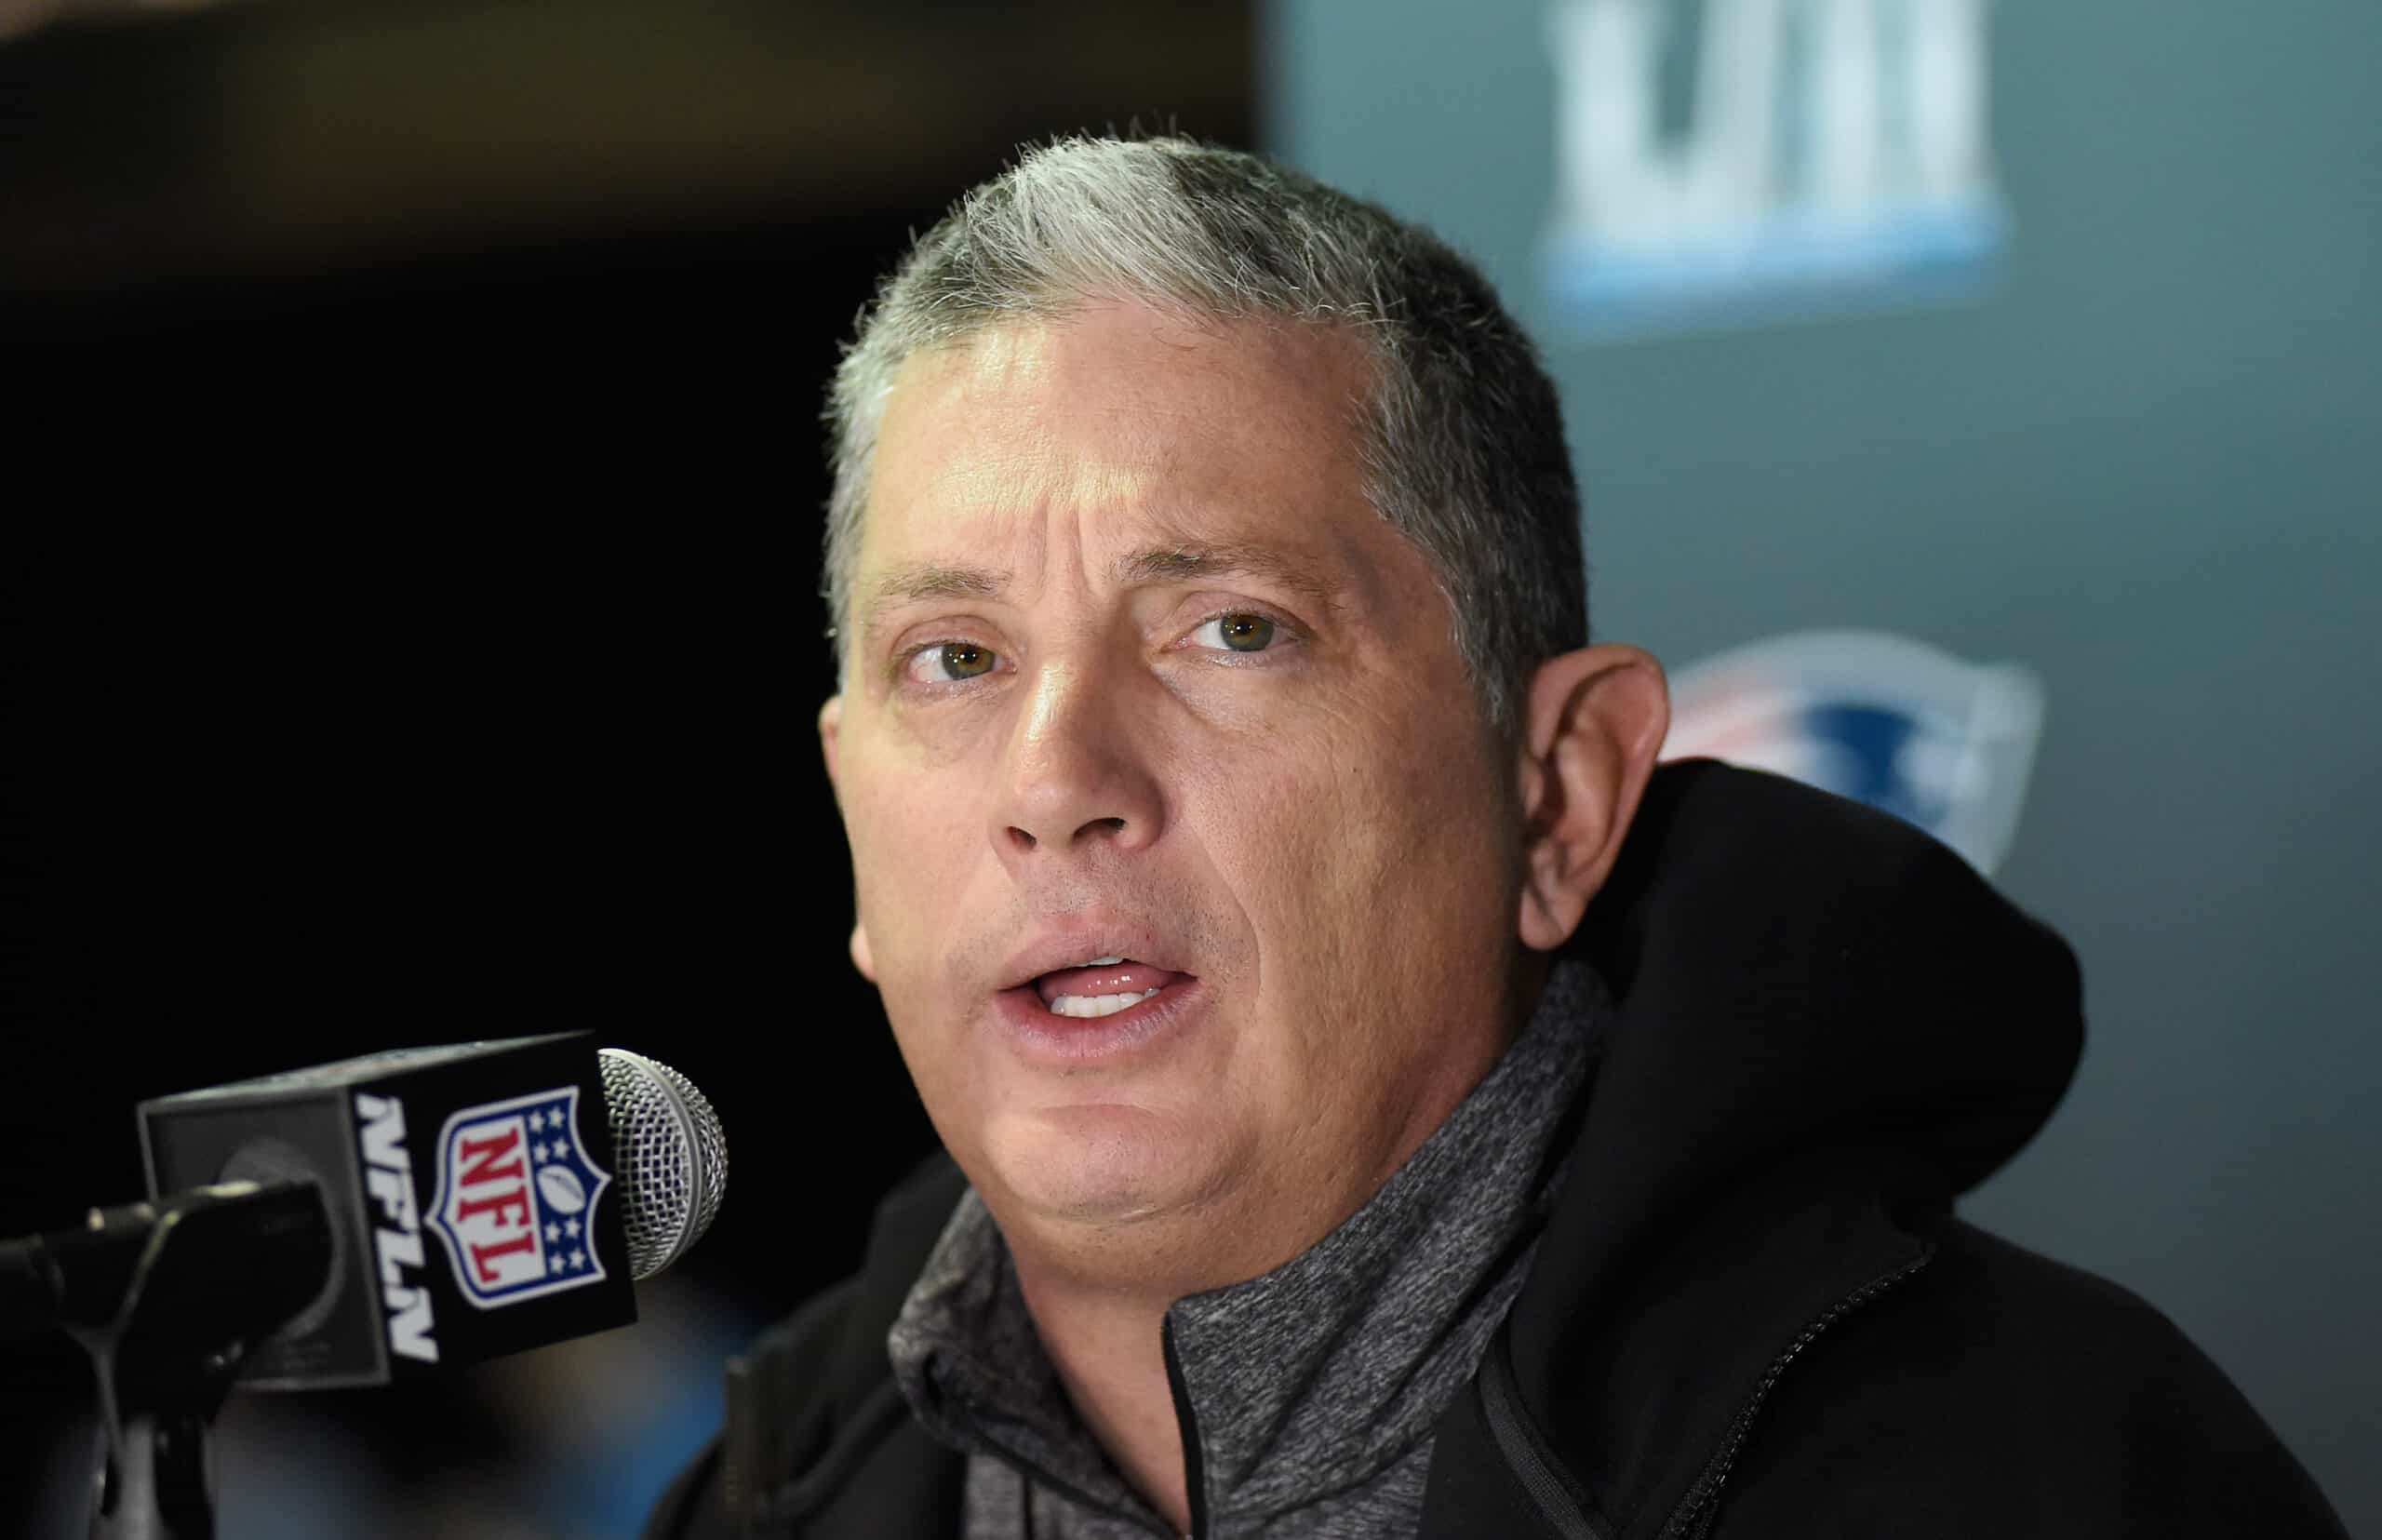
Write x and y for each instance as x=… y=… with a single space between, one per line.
x=1100 y=962
x=1096 y=1005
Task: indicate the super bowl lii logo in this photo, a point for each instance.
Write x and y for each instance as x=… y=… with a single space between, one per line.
x=1730 y=161
x=517 y=1196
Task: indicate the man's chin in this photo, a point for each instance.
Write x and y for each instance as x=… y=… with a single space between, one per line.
x=1095 y=1168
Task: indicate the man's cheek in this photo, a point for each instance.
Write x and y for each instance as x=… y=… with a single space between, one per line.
x=1267 y=808
x=896 y=876
x=1294 y=845
x=902 y=828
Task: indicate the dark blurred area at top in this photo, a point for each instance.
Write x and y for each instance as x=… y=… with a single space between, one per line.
x=408 y=560
x=154 y=146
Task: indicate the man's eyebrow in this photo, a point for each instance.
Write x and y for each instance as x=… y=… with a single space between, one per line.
x=932 y=580
x=916 y=581
x=1177 y=561
x=1190 y=561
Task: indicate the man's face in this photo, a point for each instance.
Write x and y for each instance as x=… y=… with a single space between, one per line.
x=1137 y=672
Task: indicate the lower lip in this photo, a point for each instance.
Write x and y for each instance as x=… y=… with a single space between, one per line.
x=1071 y=1040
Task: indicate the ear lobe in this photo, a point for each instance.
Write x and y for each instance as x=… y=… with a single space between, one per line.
x=1594 y=723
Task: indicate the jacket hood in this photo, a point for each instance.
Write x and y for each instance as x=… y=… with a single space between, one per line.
x=1795 y=972
x=1823 y=1027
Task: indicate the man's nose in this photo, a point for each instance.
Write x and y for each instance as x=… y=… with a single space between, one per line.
x=1077 y=771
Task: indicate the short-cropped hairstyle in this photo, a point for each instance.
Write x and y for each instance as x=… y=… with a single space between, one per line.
x=1462 y=435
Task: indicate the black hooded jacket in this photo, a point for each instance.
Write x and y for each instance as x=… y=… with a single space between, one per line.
x=1752 y=1313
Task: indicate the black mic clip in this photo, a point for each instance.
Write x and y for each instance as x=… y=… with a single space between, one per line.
x=166 y=1298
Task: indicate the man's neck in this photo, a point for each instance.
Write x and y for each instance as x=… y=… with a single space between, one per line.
x=1108 y=1347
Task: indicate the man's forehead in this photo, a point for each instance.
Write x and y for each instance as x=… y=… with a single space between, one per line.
x=1091 y=340
x=1155 y=447
x=1124 y=390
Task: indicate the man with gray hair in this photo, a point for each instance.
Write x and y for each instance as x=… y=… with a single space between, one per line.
x=1378 y=1101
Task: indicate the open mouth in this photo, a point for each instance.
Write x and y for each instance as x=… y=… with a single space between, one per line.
x=1103 y=986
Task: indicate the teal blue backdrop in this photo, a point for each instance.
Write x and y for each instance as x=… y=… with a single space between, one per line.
x=2116 y=416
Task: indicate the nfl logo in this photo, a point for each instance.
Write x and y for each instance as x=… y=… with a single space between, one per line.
x=517 y=1196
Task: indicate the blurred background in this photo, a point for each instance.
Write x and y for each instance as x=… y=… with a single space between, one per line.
x=407 y=629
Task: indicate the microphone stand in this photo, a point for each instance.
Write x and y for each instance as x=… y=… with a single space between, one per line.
x=166 y=1298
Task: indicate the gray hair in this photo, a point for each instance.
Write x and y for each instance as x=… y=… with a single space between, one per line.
x=1463 y=448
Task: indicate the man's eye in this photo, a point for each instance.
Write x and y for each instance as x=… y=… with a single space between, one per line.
x=1240 y=632
x=947 y=661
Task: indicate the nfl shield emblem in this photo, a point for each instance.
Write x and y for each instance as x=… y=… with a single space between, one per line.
x=516 y=1197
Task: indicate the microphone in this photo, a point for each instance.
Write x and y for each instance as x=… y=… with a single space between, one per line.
x=475 y=1201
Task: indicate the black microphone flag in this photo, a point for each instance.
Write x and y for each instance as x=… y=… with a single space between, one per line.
x=471 y=1190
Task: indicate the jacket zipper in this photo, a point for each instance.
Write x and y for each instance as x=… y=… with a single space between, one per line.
x=1194 y=1482
x=1694 y=1517
x=1697 y=1514
x=1519 y=1444
x=1034 y=1475
x=1194 y=1486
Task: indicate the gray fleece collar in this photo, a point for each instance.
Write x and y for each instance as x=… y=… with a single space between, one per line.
x=1312 y=1381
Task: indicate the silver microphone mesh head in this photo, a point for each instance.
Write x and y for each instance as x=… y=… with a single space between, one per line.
x=671 y=1155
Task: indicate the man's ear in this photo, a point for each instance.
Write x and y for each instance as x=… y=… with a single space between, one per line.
x=831 y=719
x=1594 y=722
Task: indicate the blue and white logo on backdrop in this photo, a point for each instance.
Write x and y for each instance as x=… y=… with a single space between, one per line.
x=1880 y=718
x=1723 y=161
